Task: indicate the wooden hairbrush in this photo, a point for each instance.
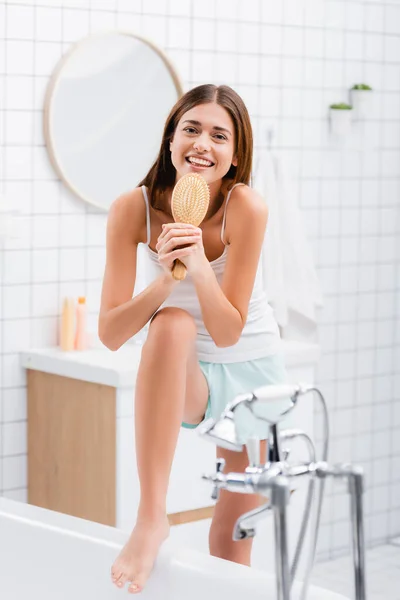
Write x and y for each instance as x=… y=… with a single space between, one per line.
x=189 y=204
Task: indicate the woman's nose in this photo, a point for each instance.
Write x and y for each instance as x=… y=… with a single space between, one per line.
x=201 y=144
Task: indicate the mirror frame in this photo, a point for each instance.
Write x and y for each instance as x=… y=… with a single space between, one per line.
x=49 y=97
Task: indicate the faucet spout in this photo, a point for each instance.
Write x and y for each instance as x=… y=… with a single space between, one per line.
x=245 y=526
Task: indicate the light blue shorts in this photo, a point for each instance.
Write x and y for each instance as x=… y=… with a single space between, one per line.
x=227 y=380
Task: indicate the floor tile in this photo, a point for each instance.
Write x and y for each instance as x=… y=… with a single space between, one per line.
x=382 y=572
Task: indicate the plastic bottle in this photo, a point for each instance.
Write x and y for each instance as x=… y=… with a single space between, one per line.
x=81 y=334
x=67 y=325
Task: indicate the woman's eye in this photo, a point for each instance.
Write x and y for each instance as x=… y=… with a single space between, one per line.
x=219 y=136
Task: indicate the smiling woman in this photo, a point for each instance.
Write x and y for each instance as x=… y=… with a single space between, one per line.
x=212 y=335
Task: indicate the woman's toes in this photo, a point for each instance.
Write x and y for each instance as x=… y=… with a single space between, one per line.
x=140 y=581
x=115 y=575
x=134 y=588
x=122 y=580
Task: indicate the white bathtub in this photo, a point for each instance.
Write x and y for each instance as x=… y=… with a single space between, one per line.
x=51 y=556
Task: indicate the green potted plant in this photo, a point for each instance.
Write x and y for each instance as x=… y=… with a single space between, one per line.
x=340 y=117
x=360 y=98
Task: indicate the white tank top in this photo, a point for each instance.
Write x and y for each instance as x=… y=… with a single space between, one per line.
x=260 y=336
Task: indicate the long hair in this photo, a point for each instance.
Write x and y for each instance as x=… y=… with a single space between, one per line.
x=163 y=173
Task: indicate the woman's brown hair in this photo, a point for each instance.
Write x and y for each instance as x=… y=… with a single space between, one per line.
x=162 y=174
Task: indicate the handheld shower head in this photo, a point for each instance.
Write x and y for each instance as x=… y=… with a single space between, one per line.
x=273 y=402
x=222 y=432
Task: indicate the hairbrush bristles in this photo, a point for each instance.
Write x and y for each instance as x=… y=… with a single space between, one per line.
x=189 y=204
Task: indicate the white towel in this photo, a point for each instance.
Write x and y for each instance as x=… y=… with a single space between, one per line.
x=289 y=273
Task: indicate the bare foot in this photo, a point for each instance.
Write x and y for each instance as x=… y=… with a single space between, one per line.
x=137 y=557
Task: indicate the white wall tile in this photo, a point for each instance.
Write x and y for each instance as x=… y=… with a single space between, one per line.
x=177 y=7
x=14 y=472
x=248 y=68
x=205 y=10
x=48 y=24
x=203 y=35
x=226 y=36
x=249 y=11
x=72 y=265
x=374 y=17
x=18 y=128
x=75 y=24
x=272 y=12
x=13 y=375
x=46 y=57
x=96 y=230
x=314 y=13
x=45 y=265
x=179 y=32
x=20 y=22
x=379 y=527
x=76 y=3
x=18 y=92
x=45 y=332
x=112 y=5
x=365 y=362
x=18 y=163
x=45 y=300
x=16 y=265
x=16 y=301
x=19 y=57
x=203 y=67
x=14 y=405
x=96 y=261
x=346 y=336
x=14 y=438
x=153 y=28
x=45 y=231
x=46 y=197
x=72 y=230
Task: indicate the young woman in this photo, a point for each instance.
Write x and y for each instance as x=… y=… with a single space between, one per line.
x=211 y=336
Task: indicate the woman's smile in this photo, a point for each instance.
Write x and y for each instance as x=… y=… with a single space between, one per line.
x=199 y=164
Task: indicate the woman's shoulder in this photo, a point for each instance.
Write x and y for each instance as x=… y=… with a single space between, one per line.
x=128 y=214
x=245 y=200
x=246 y=211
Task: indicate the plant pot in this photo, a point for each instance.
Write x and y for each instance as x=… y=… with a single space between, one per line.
x=361 y=102
x=340 y=121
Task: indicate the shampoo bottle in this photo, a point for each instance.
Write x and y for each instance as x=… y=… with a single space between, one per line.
x=81 y=335
x=67 y=326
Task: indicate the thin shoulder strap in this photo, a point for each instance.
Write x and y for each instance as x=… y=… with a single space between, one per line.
x=226 y=204
x=146 y=200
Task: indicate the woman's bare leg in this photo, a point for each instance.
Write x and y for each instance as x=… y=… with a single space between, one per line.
x=170 y=388
x=230 y=507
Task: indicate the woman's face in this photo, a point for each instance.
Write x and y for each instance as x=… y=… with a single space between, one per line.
x=204 y=143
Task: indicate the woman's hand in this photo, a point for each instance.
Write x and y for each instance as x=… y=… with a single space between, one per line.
x=183 y=241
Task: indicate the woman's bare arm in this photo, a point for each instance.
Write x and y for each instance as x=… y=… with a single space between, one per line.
x=122 y=316
x=224 y=308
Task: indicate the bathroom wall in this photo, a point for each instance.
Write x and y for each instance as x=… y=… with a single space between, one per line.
x=289 y=59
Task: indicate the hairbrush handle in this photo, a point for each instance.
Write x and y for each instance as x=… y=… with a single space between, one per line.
x=179 y=270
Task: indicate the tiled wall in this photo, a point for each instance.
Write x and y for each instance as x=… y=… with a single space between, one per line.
x=289 y=59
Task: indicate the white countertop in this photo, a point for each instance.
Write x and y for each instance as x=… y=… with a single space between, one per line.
x=119 y=369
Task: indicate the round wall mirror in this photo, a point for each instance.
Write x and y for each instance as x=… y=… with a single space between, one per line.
x=105 y=109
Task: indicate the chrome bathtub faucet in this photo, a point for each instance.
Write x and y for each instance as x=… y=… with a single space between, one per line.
x=274 y=480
